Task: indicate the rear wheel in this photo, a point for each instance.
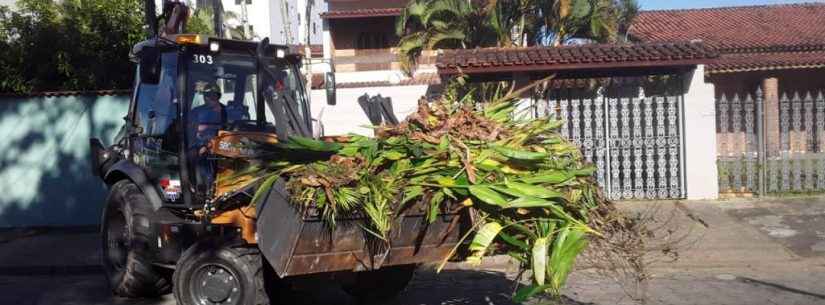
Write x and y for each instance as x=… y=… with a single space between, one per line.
x=380 y=285
x=217 y=272
x=126 y=232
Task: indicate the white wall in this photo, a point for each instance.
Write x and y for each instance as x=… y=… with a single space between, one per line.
x=700 y=138
x=348 y=117
x=259 y=17
x=392 y=76
x=293 y=15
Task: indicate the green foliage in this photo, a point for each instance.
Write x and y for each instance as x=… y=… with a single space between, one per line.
x=532 y=190
x=452 y=24
x=68 y=45
x=202 y=22
x=567 y=246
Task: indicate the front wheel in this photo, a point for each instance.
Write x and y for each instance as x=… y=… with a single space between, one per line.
x=380 y=285
x=125 y=232
x=217 y=272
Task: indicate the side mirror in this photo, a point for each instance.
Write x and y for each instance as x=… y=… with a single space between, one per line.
x=149 y=66
x=329 y=83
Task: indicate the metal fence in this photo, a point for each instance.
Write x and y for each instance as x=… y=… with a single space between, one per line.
x=747 y=166
x=630 y=129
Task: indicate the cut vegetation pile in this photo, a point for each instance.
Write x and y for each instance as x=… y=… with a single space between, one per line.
x=532 y=193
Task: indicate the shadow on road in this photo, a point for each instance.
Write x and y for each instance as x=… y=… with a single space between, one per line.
x=450 y=287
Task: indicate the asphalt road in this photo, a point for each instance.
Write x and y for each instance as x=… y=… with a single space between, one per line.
x=450 y=287
x=788 y=284
x=742 y=253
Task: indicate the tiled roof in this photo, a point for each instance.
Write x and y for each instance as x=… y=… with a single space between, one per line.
x=566 y=58
x=740 y=62
x=360 y=13
x=68 y=93
x=788 y=27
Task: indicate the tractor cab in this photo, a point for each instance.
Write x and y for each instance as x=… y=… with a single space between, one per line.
x=193 y=89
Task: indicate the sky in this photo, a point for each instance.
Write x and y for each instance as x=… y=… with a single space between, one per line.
x=679 y=4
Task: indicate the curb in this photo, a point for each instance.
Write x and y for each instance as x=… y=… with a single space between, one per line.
x=51 y=270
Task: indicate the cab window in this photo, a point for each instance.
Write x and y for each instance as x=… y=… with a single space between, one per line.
x=156 y=103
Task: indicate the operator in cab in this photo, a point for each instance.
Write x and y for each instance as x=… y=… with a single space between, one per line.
x=207 y=118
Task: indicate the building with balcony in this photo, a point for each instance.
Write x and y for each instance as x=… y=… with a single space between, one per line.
x=359 y=42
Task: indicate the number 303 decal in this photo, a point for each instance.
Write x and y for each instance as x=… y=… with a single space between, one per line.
x=202 y=59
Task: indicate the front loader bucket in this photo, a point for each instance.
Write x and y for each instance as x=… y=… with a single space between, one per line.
x=296 y=242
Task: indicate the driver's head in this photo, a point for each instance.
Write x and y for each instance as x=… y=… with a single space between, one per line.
x=212 y=93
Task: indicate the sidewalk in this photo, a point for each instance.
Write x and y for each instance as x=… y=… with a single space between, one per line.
x=50 y=251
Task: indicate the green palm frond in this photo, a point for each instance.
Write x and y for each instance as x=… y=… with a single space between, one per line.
x=445 y=38
x=410 y=48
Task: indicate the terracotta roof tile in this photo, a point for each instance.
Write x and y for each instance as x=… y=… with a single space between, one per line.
x=593 y=56
x=789 y=27
x=740 y=62
x=360 y=13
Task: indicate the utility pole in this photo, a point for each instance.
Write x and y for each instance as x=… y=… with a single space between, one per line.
x=304 y=36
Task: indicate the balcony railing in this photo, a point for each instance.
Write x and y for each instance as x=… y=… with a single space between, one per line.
x=351 y=60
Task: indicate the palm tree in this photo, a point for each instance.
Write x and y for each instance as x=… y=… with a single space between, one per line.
x=451 y=24
x=427 y=24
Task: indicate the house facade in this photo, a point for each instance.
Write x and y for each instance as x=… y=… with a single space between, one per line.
x=767 y=103
x=359 y=46
x=359 y=42
x=769 y=80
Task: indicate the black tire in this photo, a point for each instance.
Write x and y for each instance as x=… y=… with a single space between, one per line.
x=214 y=271
x=126 y=235
x=380 y=285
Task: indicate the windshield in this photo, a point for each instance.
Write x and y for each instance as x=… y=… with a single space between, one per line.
x=223 y=92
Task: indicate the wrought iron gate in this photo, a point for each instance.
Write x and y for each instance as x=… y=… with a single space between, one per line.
x=633 y=135
x=748 y=166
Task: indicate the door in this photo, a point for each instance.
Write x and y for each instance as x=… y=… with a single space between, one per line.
x=155 y=145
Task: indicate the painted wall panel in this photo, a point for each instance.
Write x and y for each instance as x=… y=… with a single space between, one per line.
x=45 y=176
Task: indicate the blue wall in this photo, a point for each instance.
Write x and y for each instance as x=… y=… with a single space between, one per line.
x=45 y=176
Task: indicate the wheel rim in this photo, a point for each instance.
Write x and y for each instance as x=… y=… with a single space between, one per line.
x=214 y=284
x=117 y=241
